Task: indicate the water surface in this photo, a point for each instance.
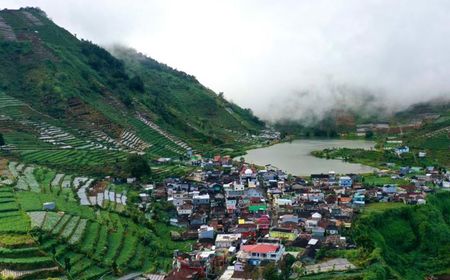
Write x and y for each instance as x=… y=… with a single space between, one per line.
x=295 y=157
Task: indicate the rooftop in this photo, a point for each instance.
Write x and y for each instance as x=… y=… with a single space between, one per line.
x=260 y=248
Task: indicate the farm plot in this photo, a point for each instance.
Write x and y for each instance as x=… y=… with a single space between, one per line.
x=11 y=218
x=50 y=221
x=164 y=133
x=90 y=238
x=79 y=231
x=70 y=227
x=37 y=218
x=12 y=168
x=67 y=182
x=57 y=180
x=6 y=100
x=81 y=193
x=31 y=180
x=60 y=225
x=74 y=158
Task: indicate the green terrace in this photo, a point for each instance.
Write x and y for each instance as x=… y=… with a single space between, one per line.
x=95 y=241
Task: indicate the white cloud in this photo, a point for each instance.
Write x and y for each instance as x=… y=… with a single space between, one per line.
x=262 y=53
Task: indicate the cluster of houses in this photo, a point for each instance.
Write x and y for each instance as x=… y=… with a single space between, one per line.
x=244 y=218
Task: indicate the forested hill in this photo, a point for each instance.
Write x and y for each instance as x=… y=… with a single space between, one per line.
x=49 y=78
x=407 y=242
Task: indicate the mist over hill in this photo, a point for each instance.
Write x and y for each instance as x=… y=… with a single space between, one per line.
x=294 y=60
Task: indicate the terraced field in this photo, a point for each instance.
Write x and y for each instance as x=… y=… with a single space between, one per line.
x=44 y=141
x=35 y=243
x=99 y=244
x=20 y=255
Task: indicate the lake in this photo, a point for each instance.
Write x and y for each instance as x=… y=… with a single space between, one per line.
x=295 y=157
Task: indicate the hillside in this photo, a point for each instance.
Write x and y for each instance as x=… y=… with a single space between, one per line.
x=92 y=234
x=408 y=242
x=66 y=101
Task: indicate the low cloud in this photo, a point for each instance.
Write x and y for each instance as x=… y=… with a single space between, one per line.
x=288 y=59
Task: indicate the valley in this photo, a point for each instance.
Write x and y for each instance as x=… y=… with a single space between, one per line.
x=116 y=166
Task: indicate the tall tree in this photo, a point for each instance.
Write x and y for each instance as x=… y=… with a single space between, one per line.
x=2 y=140
x=137 y=166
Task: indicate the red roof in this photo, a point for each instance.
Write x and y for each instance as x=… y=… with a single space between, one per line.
x=260 y=248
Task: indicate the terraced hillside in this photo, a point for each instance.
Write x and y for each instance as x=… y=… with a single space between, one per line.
x=69 y=102
x=87 y=236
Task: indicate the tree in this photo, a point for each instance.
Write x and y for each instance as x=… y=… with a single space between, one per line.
x=270 y=272
x=369 y=134
x=115 y=268
x=137 y=166
x=286 y=266
x=2 y=140
x=136 y=84
x=67 y=264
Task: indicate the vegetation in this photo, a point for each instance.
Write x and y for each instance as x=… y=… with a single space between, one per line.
x=2 y=140
x=400 y=242
x=83 y=242
x=137 y=166
x=49 y=76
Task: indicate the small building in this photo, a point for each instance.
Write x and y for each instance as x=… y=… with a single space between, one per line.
x=401 y=150
x=283 y=233
x=259 y=252
x=359 y=199
x=283 y=201
x=318 y=231
x=310 y=224
x=257 y=208
x=316 y=216
x=332 y=230
x=345 y=182
x=228 y=240
x=205 y=232
x=201 y=199
x=288 y=218
x=49 y=206
x=389 y=189
x=185 y=209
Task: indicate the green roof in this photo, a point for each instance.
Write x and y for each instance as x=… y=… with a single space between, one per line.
x=254 y=208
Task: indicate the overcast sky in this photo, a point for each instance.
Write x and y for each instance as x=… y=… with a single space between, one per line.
x=280 y=58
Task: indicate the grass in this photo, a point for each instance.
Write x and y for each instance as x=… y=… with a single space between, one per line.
x=382 y=207
x=383 y=180
x=90 y=238
x=15 y=240
x=102 y=242
x=33 y=202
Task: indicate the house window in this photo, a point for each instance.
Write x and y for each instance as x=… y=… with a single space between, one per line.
x=273 y=256
x=264 y=255
x=254 y=254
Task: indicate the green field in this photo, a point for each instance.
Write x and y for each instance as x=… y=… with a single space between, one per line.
x=93 y=239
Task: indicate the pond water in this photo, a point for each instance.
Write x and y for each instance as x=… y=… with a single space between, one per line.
x=295 y=157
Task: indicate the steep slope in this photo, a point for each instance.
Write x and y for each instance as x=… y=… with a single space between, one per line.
x=409 y=242
x=182 y=103
x=66 y=96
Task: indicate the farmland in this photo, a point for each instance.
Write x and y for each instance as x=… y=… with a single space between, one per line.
x=36 y=242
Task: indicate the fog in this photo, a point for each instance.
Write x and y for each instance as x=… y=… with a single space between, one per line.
x=287 y=59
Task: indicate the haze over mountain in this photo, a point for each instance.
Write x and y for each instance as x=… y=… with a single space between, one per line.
x=286 y=60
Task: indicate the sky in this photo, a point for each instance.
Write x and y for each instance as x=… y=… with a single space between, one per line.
x=287 y=59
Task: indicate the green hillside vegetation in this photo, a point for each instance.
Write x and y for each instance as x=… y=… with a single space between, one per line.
x=405 y=242
x=182 y=102
x=433 y=138
x=107 y=104
x=83 y=242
